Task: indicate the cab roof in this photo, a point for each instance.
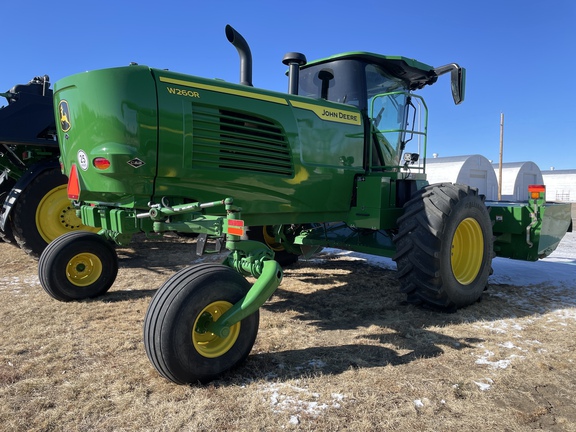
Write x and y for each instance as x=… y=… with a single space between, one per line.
x=415 y=73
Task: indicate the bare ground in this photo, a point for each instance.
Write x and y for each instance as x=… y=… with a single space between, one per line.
x=338 y=349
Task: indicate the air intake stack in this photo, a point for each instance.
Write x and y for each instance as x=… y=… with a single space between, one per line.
x=294 y=60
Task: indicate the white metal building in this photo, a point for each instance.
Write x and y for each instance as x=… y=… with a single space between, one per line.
x=516 y=177
x=474 y=170
x=560 y=185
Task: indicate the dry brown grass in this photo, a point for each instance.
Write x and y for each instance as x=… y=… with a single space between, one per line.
x=337 y=350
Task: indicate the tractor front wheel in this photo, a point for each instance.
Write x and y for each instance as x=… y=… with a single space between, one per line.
x=176 y=339
x=78 y=265
x=444 y=246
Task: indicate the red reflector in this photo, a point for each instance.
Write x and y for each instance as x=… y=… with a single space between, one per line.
x=536 y=188
x=101 y=163
x=73 y=184
x=236 y=227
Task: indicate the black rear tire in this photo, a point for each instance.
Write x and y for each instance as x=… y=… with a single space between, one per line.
x=444 y=246
x=78 y=265
x=43 y=212
x=265 y=235
x=6 y=234
x=174 y=341
x=5 y=188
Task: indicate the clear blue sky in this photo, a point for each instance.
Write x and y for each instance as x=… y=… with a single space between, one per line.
x=520 y=56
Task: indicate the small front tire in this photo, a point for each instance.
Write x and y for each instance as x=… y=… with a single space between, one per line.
x=176 y=342
x=78 y=265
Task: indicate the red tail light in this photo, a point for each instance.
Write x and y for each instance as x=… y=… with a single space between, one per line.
x=101 y=163
x=73 y=184
x=536 y=188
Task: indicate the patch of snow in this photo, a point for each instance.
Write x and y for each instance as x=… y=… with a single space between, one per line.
x=498 y=364
x=337 y=398
x=502 y=327
x=566 y=314
x=297 y=401
x=375 y=260
x=16 y=281
x=510 y=345
x=422 y=403
x=484 y=384
x=507 y=345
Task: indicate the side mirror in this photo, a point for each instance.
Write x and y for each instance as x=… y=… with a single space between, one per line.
x=457 y=80
x=458 y=84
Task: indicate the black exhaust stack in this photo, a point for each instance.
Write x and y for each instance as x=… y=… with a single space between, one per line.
x=241 y=45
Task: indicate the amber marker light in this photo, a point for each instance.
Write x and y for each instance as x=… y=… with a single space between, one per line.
x=535 y=190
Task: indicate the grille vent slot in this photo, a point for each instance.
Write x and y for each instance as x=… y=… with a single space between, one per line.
x=231 y=140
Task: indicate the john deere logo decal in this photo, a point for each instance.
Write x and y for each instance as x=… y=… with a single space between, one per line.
x=64 y=116
x=136 y=163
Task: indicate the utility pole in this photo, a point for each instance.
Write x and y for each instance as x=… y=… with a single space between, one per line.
x=501 y=152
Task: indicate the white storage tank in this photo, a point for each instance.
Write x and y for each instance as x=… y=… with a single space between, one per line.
x=516 y=177
x=473 y=170
x=560 y=185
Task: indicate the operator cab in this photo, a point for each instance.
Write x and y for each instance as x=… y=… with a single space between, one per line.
x=379 y=86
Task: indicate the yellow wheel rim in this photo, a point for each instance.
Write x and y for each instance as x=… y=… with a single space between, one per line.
x=56 y=216
x=206 y=343
x=467 y=251
x=270 y=240
x=84 y=269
